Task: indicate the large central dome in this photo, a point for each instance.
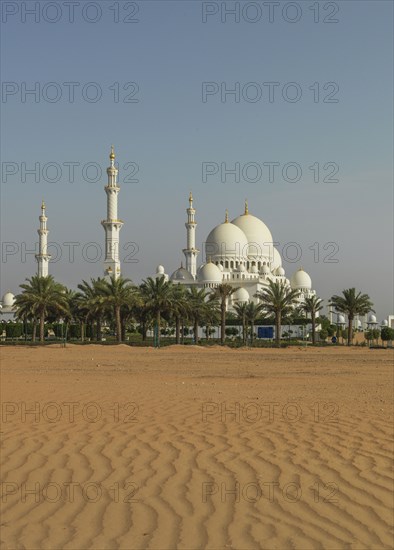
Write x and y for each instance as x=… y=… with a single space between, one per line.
x=226 y=240
x=257 y=233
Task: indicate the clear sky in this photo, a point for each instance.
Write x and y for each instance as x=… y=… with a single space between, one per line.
x=338 y=57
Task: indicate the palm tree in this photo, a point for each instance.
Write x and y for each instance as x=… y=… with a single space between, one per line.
x=351 y=304
x=42 y=296
x=278 y=300
x=312 y=305
x=91 y=304
x=197 y=300
x=157 y=295
x=117 y=293
x=252 y=312
x=179 y=308
x=222 y=293
x=241 y=311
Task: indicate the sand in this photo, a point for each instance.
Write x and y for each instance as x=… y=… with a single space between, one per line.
x=193 y=448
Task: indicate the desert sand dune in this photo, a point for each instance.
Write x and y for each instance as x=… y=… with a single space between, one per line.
x=196 y=448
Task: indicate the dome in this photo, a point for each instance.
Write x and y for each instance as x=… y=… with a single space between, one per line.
x=277 y=260
x=372 y=318
x=8 y=299
x=241 y=295
x=241 y=268
x=182 y=274
x=280 y=272
x=257 y=233
x=226 y=240
x=220 y=267
x=341 y=319
x=160 y=269
x=209 y=273
x=301 y=279
x=254 y=269
x=385 y=323
x=265 y=270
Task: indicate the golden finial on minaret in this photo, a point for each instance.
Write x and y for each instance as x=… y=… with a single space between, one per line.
x=190 y=197
x=42 y=205
x=246 y=207
x=112 y=154
x=226 y=217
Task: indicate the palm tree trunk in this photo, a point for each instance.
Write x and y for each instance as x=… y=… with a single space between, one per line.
x=277 y=328
x=82 y=331
x=177 y=330
x=33 y=336
x=123 y=330
x=42 y=320
x=118 y=324
x=251 y=333
x=183 y=332
x=196 y=331
x=350 y=330
x=158 y=328
x=223 y=327
x=98 y=329
x=143 y=330
x=243 y=331
x=313 y=328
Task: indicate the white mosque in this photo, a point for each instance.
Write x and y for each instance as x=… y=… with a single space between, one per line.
x=240 y=253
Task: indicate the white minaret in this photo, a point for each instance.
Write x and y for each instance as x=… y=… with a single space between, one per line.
x=112 y=225
x=191 y=252
x=43 y=257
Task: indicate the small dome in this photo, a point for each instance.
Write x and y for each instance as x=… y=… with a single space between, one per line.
x=280 y=272
x=209 y=273
x=220 y=267
x=160 y=269
x=182 y=274
x=254 y=269
x=241 y=295
x=385 y=323
x=372 y=318
x=301 y=279
x=265 y=270
x=226 y=240
x=8 y=299
x=341 y=319
x=241 y=268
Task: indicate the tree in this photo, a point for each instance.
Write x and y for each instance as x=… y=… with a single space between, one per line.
x=387 y=334
x=278 y=300
x=323 y=334
x=91 y=305
x=222 y=293
x=252 y=312
x=197 y=300
x=241 y=310
x=40 y=297
x=157 y=296
x=351 y=303
x=116 y=294
x=311 y=306
x=179 y=309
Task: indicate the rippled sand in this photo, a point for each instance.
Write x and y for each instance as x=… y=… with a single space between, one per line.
x=192 y=448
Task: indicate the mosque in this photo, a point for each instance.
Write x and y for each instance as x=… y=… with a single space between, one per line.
x=239 y=252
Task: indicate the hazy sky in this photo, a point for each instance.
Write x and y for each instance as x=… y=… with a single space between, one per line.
x=138 y=83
